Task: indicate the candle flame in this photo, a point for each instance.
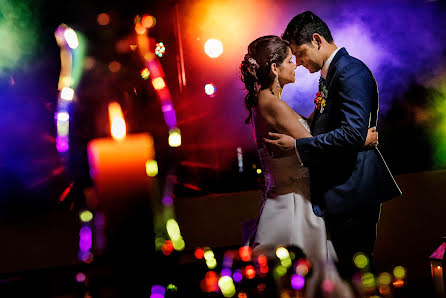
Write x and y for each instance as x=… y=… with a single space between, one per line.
x=117 y=122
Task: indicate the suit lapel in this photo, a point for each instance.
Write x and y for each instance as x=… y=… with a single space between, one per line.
x=332 y=68
x=329 y=80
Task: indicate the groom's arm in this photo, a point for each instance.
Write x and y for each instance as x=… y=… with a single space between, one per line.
x=357 y=90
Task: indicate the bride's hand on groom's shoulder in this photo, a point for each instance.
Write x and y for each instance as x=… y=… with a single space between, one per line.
x=284 y=142
x=372 y=138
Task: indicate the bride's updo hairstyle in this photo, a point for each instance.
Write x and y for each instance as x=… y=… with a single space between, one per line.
x=256 y=67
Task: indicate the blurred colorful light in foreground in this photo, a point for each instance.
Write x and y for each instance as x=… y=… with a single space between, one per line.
x=151 y=168
x=117 y=122
x=148 y=21
x=360 y=260
x=103 y=19
x=213 y=48
x=245 y=253
x=297 y=282
x=199 y=253
x=158 y=83
x=250 y=272
x=210 y=89
x=86 y=216
x=140 y=29
x=173 y=229
x=399 y=272
x=157 y=291
x=145 y=73
x=237 y=276
x=226 y=285
x=174 y=137
x=71 y=38
x=160 y=49
x=67 y=93
x=80 y=277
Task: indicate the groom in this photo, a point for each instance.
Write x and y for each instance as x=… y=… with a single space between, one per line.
x=348 y=182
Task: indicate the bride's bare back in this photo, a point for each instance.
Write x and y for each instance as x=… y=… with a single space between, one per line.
x=274 y=115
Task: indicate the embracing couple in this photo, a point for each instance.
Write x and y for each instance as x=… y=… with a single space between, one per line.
x=325 y=179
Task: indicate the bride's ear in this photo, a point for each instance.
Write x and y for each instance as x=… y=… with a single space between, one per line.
x=274 y=69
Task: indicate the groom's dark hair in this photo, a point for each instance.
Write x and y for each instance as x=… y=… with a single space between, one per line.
x=301 y=28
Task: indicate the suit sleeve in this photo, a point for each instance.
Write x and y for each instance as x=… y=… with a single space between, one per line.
x=357 y=90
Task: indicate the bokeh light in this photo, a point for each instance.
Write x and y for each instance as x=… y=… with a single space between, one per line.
x=384 y=279
x=67 y=93
x=280 y=270
x=103 y=19
x=245 y=253
x=160 y=49
x=151 y=168
x=148 y=21
x=158 y=83
x=297 y=282
x=145 y=73
x=63 y=116
x=259 y=171
x=80 y=277
x=226 y=285
x=114 y=66
x=237 y=276
x=172 y=288
x=226 y=272
x=282 y=253
x=399 y=272
x=167 y=247
x=368 y=280
x=199 y=253
x=213 y=48
x=211 y=263
x=175 y=137
x=71 y=38
x=140 y=29
x=167 y=201
x=157 y=291
x=86 y=216
x=210 y=89
x=62 y=144
x=250 y=272
x=360 y=260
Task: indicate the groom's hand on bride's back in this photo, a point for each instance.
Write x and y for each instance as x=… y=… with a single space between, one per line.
x=372 y=138
x=284 y=142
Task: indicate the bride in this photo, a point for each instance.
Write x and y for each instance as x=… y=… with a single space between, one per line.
x=286 y=215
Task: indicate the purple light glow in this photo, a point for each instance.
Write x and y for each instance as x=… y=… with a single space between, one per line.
x=80 y=277
x=237 y=276
x=62 y=144
x=227 y=261
x=297 y=282
x=226 y=272
x=170 y=118
x=85 y=240
x=167 y=201
x=158 y=289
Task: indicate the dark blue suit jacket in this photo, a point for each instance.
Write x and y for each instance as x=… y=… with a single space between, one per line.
x=344 y=176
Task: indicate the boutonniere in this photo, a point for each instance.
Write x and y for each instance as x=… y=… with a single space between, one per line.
x=320 y=101
x=321 y=97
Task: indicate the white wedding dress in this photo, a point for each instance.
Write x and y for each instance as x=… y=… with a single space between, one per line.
x=286 y=214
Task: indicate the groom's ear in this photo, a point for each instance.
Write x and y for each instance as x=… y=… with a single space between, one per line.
x=317 y=40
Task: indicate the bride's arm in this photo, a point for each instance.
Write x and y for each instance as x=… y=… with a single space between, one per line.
x=280 y=116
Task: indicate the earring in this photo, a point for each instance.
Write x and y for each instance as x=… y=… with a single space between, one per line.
x=277 y=84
